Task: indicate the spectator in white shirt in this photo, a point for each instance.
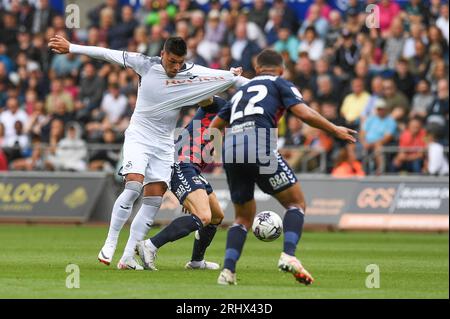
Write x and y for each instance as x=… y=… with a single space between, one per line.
x=437 y=162
x=114 y=104
x=9 y=117
x=312 y=44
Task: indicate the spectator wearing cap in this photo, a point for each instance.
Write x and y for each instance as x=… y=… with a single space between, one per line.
x=354 y=103
x=315 y=20
x=411 y=143
x=215 y=28
x=378 y=130
x=311 y=44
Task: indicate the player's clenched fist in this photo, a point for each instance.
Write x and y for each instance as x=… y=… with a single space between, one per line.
x=59 y=45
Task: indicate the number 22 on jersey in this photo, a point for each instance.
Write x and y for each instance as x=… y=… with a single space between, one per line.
x=250 y=108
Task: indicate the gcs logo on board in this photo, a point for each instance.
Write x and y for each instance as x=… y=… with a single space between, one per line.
x=376 y=197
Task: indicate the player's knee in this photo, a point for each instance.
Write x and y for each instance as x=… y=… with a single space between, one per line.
x=132 y=191
x=205 y=219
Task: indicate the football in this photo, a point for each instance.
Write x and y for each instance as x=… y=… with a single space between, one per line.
x=267 y=226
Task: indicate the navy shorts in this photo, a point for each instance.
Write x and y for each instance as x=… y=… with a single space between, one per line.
x=243 y=177
x=186 y=178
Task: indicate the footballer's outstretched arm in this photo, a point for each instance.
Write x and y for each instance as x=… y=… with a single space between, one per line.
x=218 y=123
x=311 y=117
x=60 y=45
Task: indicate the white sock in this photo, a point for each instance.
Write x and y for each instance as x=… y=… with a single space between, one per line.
x=122 y=210
x=142 y=223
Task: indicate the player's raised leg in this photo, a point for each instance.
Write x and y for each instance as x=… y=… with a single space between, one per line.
x=293 y=200
x=178 y=228
x=121 y=212
x=142 y=222
x=205 y=235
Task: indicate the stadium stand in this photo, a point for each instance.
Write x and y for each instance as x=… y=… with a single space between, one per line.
x=390 y=83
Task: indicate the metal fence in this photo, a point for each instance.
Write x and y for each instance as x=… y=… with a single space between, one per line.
x=322 y=161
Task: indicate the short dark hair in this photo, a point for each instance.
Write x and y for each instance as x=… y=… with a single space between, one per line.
x=175 y=45
x=269 y=58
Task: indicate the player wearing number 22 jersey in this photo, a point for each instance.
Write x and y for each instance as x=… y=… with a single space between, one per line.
x=252 y=116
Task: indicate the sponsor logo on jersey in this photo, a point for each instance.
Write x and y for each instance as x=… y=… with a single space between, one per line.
x=194 y=79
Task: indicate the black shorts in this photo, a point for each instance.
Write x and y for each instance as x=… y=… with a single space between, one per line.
x=186 y=178
x=242 y=178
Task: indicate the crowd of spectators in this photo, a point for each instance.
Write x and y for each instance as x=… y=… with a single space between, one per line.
x=389 y=82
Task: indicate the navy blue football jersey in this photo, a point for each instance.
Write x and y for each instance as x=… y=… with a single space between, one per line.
x=261 y=102
x=253 y=114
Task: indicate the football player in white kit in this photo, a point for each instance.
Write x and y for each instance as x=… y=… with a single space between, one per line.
x=166 y=84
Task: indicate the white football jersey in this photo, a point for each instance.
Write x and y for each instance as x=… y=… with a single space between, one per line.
x=159 y=97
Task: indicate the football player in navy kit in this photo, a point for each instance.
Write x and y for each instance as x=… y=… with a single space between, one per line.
x=252 y=116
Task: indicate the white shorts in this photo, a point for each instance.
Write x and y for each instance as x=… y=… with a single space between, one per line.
x=154 y=161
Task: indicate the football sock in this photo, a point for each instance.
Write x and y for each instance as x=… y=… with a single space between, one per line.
x=122 y=209
x=292 y=228
x=205 y=236
x=178 y=228
x=142 y=222
x=237 y=234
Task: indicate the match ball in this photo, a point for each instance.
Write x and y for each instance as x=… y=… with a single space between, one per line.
x=267 y=226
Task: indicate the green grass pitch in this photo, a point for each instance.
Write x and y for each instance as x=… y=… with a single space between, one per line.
x=33 y=262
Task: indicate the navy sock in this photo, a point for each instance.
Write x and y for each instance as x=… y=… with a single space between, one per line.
x=237 y=234
x=206 y=235
x=178 y=228
x=292 y=228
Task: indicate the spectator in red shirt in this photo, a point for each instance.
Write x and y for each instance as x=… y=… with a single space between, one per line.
x=412 y=144
x=3 y=161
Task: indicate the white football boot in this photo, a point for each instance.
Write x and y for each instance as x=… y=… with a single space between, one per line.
x=226 y=277
x=291 y=264
x=203 y=265
x=106 y=254
x=129 y=263
x=147 y=255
